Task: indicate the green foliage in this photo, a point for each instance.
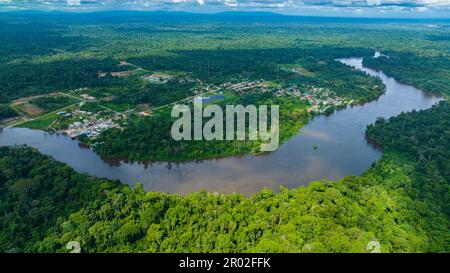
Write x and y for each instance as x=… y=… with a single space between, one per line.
x=219 y=66
x=45 y=205
x=156 y=94
x=431 y=74
x=51 y=52
x=423 y=138
x=52 y=103
x=25 y=79
x=150 y=138
x=402 y=201
x=92 y=107
x=7 y=112
x=41 y=123
x=35 y=192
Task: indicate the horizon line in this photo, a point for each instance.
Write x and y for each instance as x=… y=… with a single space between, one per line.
x=215 y=13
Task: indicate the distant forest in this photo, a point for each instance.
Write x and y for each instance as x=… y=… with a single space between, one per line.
x=402 y=201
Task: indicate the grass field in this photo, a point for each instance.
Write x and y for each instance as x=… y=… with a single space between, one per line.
x=40 y=123
x=116 y=106
x=27 y=109
x=44 y=121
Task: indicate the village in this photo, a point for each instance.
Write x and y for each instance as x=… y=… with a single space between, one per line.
x=247 y=86
x=322 y=100
x=80 y=120
x=91 y=125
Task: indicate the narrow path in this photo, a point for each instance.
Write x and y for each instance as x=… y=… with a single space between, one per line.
x=42 y=116
x=83 y=100
x=187 y=98
x=25 y=120
x=138 y=67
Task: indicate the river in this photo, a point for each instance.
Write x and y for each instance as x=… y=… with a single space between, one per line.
x=342 y=150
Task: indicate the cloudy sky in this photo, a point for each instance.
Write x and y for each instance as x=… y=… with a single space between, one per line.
x=365 y=8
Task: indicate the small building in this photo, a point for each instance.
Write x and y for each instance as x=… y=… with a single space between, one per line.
x=87 y=97
x=144 y=114
x=102 y=74
x=158 y=78
x=208 y=99
x=122 y=74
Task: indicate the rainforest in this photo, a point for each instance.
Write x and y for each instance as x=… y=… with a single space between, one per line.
x=86 y=152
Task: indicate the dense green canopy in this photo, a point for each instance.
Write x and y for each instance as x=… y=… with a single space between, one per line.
x=401 y=202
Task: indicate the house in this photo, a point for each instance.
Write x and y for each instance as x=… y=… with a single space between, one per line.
x=87 y=97
x=158 y=78
x=208 y=99
x=144 y=114
x=102 y=74
x=122 y=74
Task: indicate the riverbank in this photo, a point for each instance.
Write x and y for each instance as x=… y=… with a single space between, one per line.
x=405 y=194
x=328 y=147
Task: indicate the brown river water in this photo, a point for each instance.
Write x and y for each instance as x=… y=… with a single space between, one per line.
x=342 y=149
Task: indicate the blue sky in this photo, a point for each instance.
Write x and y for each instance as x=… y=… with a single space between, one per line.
x=359 y=8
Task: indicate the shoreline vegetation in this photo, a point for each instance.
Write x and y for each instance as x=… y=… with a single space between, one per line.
x=401 y=202
x=112 y=143
x=295 y=113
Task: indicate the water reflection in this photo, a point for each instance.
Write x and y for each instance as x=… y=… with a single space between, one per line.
x=329 y=147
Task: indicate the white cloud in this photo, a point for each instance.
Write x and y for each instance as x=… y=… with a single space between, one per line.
x=73 y=2
x=288 y=6
x=230 y=3
x=374 y=2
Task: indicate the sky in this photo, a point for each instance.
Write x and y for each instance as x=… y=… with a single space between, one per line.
x=357 y=8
